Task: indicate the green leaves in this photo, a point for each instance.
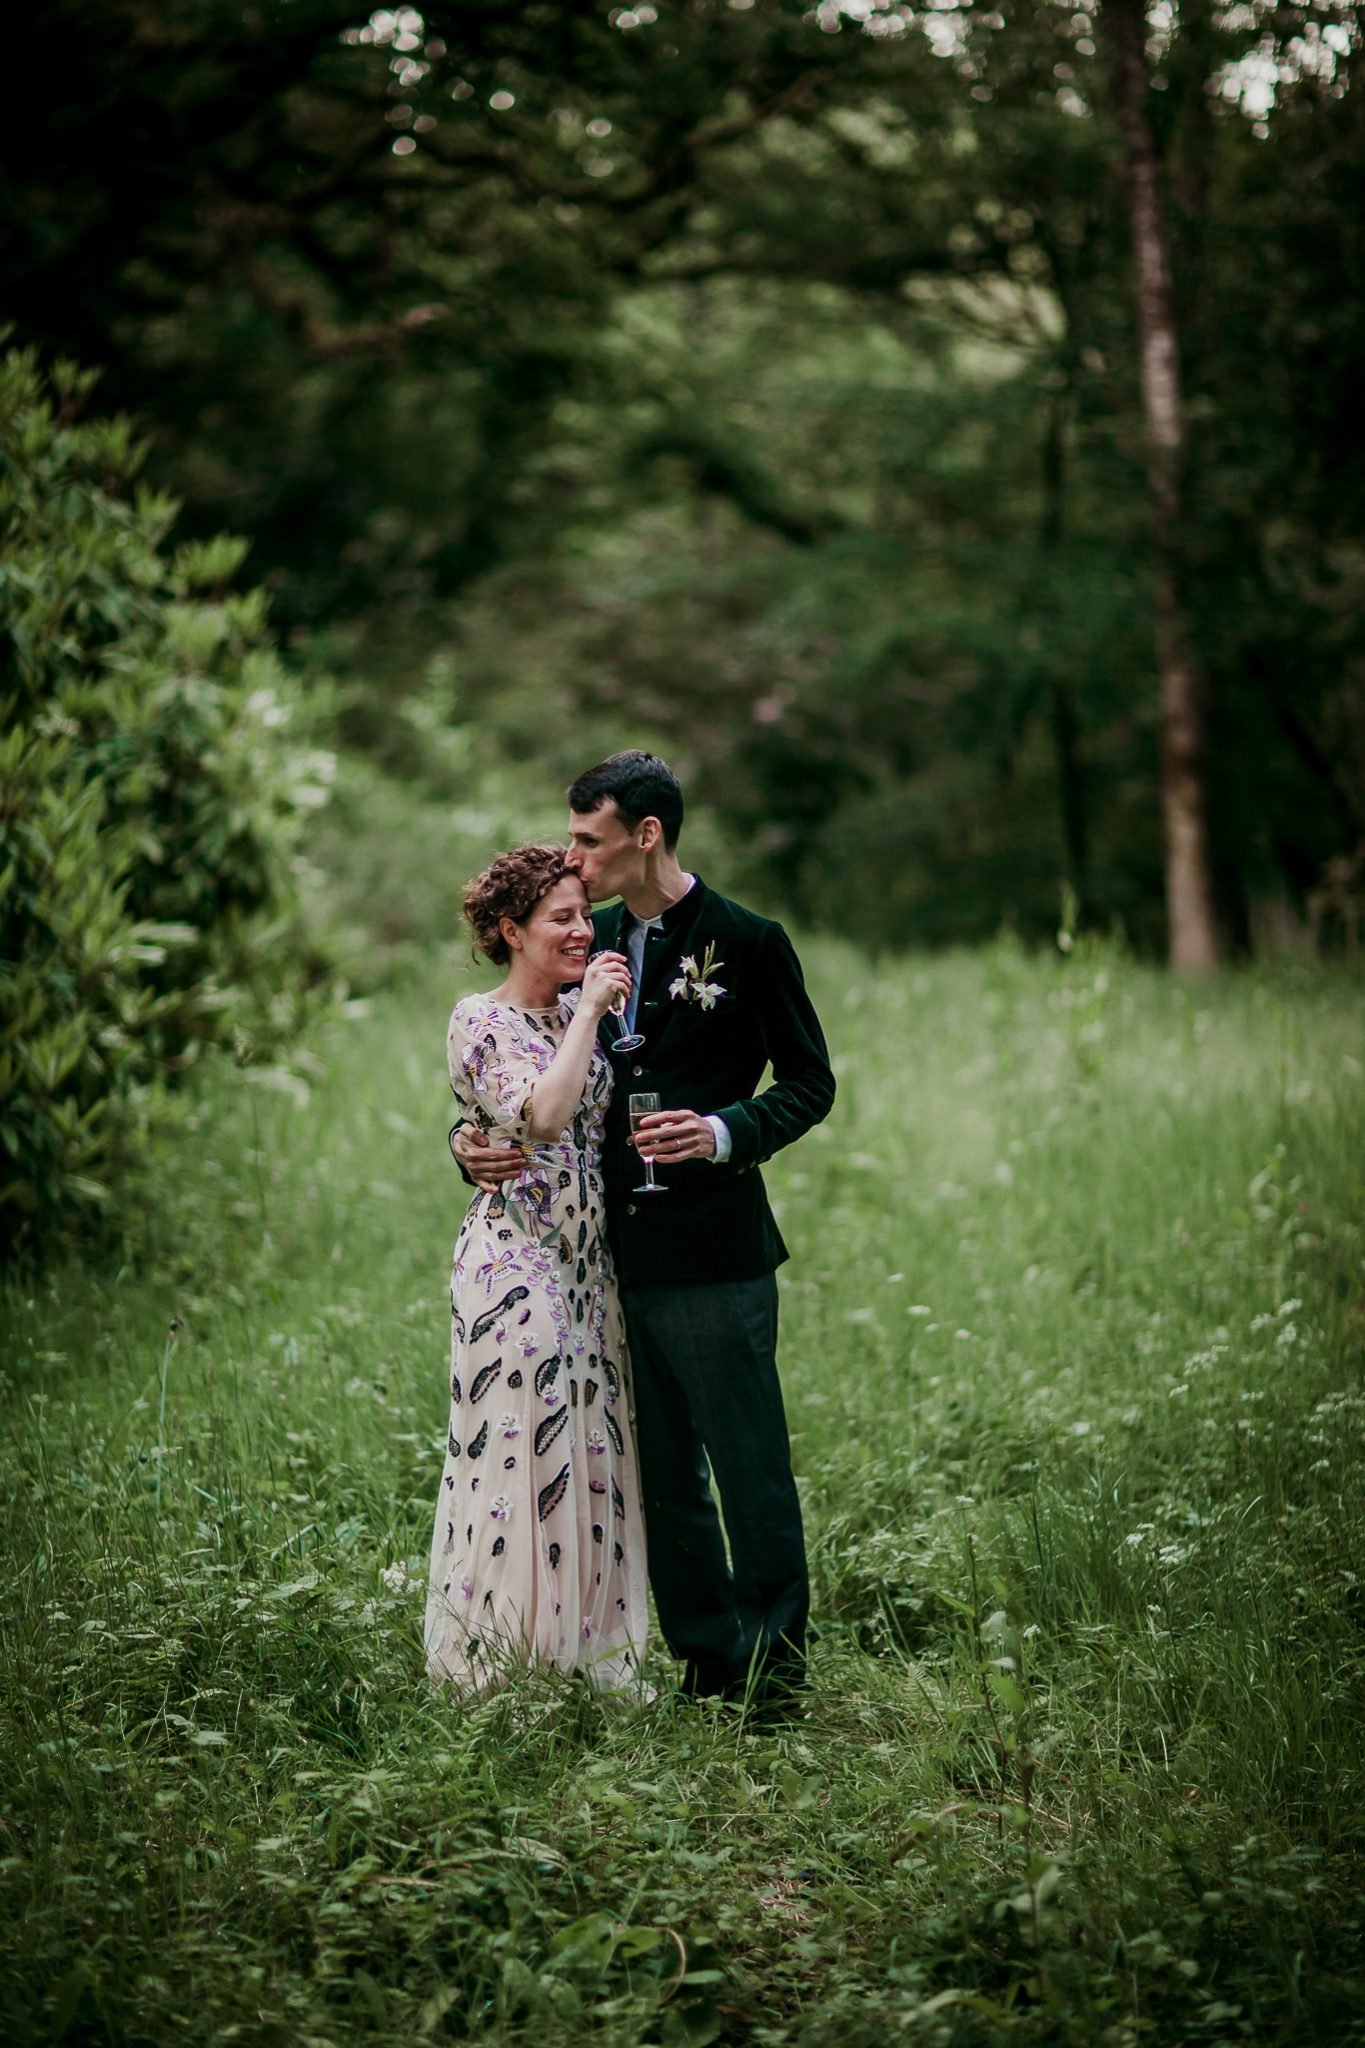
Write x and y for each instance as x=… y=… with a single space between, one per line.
x=155 y=772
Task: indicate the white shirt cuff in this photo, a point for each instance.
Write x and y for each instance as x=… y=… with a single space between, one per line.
x=723 y=1141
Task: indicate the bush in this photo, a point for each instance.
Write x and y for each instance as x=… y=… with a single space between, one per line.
x=155 y=774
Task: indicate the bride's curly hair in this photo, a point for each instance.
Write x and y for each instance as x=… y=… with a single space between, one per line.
x=511 y=886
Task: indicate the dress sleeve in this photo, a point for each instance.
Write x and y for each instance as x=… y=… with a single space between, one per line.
x=492 y=1071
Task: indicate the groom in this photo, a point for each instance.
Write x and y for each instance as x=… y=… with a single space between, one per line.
x=718 y=995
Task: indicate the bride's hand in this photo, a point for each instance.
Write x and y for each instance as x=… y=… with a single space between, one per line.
x=607 y=981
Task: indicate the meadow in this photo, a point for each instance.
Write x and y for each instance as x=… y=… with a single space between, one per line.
x=1073 y=1337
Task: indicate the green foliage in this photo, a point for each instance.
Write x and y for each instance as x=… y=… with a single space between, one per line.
x=761 y=380
x=1072 y=1357
x=154 y=783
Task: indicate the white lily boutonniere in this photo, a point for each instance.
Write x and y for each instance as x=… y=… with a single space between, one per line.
x=694 y=984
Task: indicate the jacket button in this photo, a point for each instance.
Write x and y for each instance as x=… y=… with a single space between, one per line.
x=637 y=1071
x=630 y=1208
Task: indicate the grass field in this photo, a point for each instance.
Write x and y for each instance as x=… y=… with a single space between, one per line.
x=1073 y=1338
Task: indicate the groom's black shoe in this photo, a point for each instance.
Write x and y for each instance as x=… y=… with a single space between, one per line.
x=709 y=1681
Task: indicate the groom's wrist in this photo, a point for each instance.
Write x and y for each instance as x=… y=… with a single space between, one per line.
x=724 y=1143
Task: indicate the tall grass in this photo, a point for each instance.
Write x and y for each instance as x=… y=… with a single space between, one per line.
x=1072 y=1347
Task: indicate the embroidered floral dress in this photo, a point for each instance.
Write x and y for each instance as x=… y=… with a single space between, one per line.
x=539 y=1550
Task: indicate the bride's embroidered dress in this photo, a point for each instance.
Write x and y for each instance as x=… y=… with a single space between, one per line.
x=538 y=1553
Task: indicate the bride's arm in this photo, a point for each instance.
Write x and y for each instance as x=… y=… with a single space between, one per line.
x=558 y=1092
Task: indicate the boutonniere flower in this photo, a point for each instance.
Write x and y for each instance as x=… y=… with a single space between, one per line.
x=694 y=984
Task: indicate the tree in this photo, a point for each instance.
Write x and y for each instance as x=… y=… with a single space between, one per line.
x=155 y=777
x=1184 y=798
x=467 y=312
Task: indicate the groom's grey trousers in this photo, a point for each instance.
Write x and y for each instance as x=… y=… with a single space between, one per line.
x=704 y=1365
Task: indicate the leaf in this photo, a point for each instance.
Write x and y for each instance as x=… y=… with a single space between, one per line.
x=294 y=1587
x=549 y=1497
x=1007 y=1692
x=435 y=2008
x=539 y=1852
x=594 y=1936
x=638 y=1941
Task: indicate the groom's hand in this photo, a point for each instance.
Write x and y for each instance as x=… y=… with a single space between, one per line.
x=487 y=1165
x=673 y=1134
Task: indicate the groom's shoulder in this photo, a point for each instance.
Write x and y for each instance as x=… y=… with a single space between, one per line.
x=724 y=913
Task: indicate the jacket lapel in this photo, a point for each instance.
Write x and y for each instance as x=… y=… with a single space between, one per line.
x=683 y=934
x=607 y=928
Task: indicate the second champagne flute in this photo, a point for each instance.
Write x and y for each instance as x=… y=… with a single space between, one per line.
x=626 y=1040
x=641 y=1106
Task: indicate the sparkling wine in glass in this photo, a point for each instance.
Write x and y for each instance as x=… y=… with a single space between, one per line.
x=641 y=1106
x=626 y=1041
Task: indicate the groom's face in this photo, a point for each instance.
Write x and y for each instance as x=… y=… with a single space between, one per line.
x=604 y=851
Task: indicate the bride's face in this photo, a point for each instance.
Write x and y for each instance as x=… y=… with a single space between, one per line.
x=557 y=937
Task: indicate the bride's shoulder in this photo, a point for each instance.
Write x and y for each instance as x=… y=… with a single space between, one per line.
x=474 y=1015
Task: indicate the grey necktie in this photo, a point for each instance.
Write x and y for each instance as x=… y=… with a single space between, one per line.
x=635 y=953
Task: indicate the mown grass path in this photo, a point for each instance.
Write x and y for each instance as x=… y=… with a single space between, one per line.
x=1072 y=1344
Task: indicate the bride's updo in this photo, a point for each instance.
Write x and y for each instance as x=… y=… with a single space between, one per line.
x=511 y=886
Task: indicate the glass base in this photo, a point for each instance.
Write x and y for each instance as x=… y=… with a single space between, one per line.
x=650 y=1187
x=629 y=1041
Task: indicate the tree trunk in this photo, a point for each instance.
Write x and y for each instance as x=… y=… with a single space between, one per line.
x=1184 y=806
x=1065 y=730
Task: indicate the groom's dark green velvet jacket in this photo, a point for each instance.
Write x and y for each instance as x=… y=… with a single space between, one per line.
x=714 y=1223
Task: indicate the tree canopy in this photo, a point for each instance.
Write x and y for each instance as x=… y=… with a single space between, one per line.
x=762 y=381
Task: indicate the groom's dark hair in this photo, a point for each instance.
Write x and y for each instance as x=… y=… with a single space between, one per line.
x=640 y=785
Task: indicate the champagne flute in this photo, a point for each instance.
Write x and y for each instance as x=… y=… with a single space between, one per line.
x=641 y=1106
x=625 y=1041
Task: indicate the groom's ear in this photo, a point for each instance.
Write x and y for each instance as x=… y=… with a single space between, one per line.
x=651 y=834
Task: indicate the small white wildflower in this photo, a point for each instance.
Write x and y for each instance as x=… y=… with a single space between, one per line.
x=1288 y=1335
x=919 y=1308
x=395 y=1575
x=1288 y=1308
x=1078 y=1429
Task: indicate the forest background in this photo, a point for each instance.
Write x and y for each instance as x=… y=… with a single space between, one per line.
x=763 y=383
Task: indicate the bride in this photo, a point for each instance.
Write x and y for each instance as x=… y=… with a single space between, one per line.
x=538 y=1554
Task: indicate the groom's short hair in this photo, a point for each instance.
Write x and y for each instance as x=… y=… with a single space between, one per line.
x=640 y=785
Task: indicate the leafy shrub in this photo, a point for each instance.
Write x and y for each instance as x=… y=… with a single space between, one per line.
x=155 y=775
